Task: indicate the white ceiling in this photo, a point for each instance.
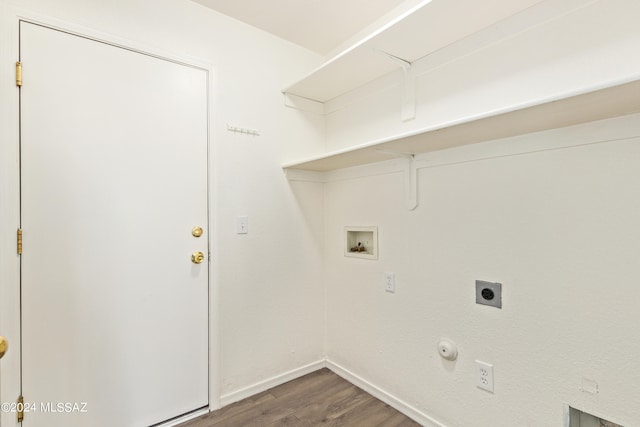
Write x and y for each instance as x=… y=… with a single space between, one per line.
x=318 y=25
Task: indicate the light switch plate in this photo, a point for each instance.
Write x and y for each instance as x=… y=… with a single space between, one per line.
x=390 y=282
x=242 y=225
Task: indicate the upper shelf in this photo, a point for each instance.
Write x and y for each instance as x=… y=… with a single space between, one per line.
x=411 y=35
x=566 y=110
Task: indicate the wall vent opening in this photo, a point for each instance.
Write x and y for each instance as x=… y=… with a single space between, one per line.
x=578 y=418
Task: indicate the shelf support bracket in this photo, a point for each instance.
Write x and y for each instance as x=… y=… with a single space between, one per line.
x=410 y=177
x=408 y=86
x=411 y=183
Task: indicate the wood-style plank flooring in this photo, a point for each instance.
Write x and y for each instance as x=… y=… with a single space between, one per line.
x=319 y=399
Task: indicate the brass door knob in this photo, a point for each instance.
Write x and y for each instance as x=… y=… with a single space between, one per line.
x=197 y=257
x=4 y=346
x=197 y=231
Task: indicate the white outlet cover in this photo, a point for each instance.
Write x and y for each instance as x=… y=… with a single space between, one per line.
x=484 y=375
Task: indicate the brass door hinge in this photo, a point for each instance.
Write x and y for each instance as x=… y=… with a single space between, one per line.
x=19 y=241
x=20 y=409
x=19 y=74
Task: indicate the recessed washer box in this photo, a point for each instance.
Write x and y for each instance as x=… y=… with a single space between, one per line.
x=361 y=242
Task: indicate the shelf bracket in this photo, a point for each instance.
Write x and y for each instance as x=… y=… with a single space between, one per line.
x=410 y=177
x=408 y=86
x=411 y=183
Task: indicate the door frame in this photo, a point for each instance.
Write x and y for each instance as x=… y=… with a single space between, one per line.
x=10 y=17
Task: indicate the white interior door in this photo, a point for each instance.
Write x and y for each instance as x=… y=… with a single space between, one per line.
x=113 y=179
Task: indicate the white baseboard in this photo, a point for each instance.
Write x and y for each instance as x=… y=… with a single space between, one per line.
x=405 y=408
x=411 y=412
x=270 y=383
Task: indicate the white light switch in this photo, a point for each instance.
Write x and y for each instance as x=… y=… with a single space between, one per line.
x=390 y=282
x=242 y=225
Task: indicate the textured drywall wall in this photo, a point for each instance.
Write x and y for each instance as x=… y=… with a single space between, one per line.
x=554 y=221
x=553 y=216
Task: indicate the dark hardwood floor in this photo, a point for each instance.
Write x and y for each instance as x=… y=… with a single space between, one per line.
x=319 y=399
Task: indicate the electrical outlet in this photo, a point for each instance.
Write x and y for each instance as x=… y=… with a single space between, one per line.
x=489 y=293
x=484 y=375
x=390 y=282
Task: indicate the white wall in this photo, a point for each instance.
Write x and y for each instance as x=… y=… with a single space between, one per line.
x=553 y=216
x=557 y=227
x=266 y=285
